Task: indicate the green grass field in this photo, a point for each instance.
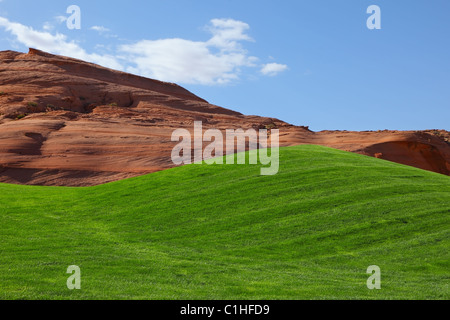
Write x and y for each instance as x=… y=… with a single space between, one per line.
x=226 y=232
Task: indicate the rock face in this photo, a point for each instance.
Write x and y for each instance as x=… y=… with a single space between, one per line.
x=65 y=122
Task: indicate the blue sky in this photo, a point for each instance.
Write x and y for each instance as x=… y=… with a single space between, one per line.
x=311 y=63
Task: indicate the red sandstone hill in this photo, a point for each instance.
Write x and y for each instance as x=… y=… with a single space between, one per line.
x=66 y=122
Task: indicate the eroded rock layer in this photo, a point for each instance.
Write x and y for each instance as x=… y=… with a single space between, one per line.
x=65 y=122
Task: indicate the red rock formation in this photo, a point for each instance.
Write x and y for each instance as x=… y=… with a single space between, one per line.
x=70 y=123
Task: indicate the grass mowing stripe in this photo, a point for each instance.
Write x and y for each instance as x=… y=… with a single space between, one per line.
x=225 y=232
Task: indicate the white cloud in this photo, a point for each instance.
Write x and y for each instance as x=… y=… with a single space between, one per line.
x=272 y=69
x=50 y=25
x=100 y=29
x=185 y=61
x=57 y=44
x=218 y=60
x=61 y=19
x=227 y=32
x=47 y=26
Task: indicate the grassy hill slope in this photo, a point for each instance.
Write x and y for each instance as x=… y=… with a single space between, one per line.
x=226 y=232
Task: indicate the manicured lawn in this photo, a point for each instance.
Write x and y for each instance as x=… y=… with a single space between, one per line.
x=226 y=232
